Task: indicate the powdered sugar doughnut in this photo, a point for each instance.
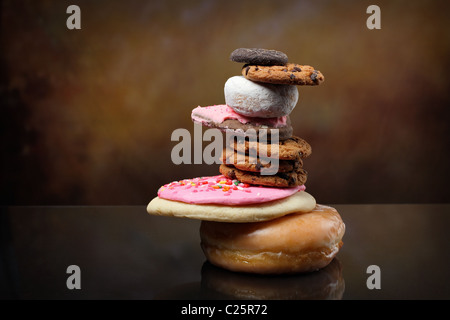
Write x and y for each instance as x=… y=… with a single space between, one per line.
x=263 y=100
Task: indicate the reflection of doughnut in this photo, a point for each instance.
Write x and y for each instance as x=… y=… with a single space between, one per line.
x=327 y=283
x=299 y=242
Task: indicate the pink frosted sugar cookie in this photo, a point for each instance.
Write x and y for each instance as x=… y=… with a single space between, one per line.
x=221 y=112
x=220 y=199
x=225 y=118
x=221 y=190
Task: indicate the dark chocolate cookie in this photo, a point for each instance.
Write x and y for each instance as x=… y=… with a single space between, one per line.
x=258 y=56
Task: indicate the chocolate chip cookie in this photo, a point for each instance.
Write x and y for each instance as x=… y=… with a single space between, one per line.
x=291 y=73
x=293 y=148
x=255 y=164
x=281 y=179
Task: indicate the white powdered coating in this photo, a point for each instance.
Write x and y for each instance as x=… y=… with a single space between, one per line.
x=256 y=99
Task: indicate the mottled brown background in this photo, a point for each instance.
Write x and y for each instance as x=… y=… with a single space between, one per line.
x=86 y=115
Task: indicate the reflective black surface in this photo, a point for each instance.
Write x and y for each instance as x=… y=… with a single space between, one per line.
x=124 y=253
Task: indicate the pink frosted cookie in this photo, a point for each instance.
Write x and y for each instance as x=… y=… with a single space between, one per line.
x=225 y=118
x=217 y=198
x=223 y=191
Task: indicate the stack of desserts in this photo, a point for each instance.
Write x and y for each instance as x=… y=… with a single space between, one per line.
x=267 y=89
x=256 y=215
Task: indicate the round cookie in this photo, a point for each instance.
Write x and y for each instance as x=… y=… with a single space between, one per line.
x=256 y=99
x=295 y=243
x=247 y=163
x=292 y=73
x=279 y=180
x=265 y=132
x=224 y=118
x=220 y=190
x=293 y=148
x=299 y=201
x=259 y=56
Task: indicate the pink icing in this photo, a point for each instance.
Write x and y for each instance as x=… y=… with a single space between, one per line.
x=221 y=190
x=222 y=112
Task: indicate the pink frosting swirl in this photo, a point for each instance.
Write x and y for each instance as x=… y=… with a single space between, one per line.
x=222 y=112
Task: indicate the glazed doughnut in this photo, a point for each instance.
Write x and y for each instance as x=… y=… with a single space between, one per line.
x=298 y=242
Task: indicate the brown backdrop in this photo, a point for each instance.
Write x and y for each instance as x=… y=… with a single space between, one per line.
x=86 y=115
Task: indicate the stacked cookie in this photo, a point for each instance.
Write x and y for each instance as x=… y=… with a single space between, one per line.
x=267 y=89
x=239 y=164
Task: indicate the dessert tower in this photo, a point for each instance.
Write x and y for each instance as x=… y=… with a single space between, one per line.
x=261 y=173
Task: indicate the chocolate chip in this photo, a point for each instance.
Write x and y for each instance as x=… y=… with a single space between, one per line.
x=283 y=175
x=256 y=69
x=313 y=76
x=246 y=70
x=285 y=70
x=296 y=69
x=292 y=76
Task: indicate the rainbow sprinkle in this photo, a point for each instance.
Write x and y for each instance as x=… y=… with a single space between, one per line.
x=221 y=183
